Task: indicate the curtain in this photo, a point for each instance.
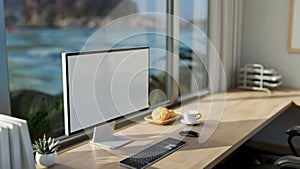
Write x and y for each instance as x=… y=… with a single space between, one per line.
x=225 y=24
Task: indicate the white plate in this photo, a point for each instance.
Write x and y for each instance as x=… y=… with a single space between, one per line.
x=190 y=123
x=171 y=120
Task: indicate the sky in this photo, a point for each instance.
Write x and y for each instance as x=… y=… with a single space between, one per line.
x=189 y=9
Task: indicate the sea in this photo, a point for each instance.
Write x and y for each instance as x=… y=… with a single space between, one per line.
x=34 y=55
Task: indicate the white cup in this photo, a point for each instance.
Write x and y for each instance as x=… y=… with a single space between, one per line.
x=191 y=116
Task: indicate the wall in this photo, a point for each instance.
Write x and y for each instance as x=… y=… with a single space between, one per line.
x=264 y=40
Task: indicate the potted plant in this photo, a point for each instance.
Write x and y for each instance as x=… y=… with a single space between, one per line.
x=45 y=150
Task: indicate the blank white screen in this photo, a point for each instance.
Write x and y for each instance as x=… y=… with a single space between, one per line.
x=106 y=85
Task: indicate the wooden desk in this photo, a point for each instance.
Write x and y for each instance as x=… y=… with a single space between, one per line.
x=245 y=113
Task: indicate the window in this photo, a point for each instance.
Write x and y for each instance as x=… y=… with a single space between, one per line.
x=192 y=46
x=38 y=31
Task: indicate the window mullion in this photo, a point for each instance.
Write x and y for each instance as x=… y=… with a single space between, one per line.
x=173 y=50
x=4 y=89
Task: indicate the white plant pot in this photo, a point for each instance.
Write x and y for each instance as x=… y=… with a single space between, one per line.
x=45 y=160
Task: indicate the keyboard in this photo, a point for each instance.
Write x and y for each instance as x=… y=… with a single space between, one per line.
x=152 y=154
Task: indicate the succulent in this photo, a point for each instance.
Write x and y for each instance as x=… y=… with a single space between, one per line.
x=45 y=146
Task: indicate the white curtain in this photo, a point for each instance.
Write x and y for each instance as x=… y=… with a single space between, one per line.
x=225 y=24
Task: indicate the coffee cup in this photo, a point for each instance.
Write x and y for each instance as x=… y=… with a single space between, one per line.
x=191 y=116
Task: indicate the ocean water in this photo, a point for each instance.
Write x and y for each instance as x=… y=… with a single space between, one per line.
x=34 y=55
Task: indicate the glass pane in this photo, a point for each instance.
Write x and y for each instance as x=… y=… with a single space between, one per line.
x=38 y=31
x=193 y=45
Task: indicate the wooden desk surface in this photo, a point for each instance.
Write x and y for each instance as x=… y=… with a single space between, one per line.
x=245 y=113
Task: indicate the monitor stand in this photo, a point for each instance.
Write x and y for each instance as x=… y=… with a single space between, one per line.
x=104 y=136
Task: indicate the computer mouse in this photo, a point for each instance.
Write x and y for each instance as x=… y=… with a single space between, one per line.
x=189 y=133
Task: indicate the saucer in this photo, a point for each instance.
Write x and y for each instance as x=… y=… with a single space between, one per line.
x=190 y=123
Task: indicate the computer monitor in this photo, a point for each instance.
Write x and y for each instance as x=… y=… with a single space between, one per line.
x=103 y=86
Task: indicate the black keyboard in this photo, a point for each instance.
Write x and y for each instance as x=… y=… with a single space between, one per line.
x=152 y=154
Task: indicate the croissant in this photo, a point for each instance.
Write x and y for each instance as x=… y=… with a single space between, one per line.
x=162 y=113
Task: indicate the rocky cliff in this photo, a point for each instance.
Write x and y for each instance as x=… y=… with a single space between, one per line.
x=55 y=12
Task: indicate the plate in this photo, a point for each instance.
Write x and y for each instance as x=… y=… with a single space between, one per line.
x=190 y=123
x=162 y=122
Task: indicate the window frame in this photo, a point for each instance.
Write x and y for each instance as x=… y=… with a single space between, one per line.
x=4 y=88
